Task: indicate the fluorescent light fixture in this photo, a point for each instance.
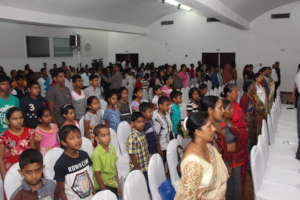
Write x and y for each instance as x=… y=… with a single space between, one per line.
x=177 y=4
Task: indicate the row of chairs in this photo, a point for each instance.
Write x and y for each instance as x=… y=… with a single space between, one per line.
x=275 y=171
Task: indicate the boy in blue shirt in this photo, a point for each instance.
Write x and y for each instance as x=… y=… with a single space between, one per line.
x=176 y=98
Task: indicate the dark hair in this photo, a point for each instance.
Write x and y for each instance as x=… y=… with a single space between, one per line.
x=247 y=84
x=32 y=83
x=110 y=93
x=136 y=90
x=196 y=121
x=41 y=112
x=93 y=76
x=98 y=127
x=90 y=100
x=174 y=94
x=257 y=75
x=136 y=115
x=162 y=100
x=11 y=111
x=121 y=90
x=145 y=106
x=19 y=77
x=155 y=88
x=65 y=131
x=57 y=71
x=75 y=78
x=30 y=156
x=4 y=78
x=225 y=103
x=228 y=89
x=208 y=102
x=191 y=92
x=65 y=109
x=202 y=86
x=166 y=77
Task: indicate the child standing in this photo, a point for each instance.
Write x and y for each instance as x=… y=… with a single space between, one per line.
x=46 y=130
x=137 y=99
x=124 y=106
x=92 y=117
x=73 y=172
x=111 y=113
x=34 y=186
x=15 y=139
x=157 y=93
x=202 y=90
x=68 y=113
x=167 y=88
x=193 y=106
x=78 y=96
x=163 y=124
x=176 y=98
x=147 y=111
x=137 y=144
x=104 y=159
x=31 y=103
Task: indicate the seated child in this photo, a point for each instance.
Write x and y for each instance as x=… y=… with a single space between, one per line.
x=46 y=130
x=111 y=113
x=31 y=103
x=104 y=158
x=33 y=186
x=147 y=111
x=73 y=172
x=176 y=98
x=137 y=144
x=69 y=114
x=163 y=124
x=15 y=139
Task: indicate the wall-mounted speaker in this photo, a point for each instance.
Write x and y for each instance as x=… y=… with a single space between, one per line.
x=75 y=41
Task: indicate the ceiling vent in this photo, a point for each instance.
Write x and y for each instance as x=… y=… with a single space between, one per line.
x=169 y=22
x=211 y=19
x=280 y=16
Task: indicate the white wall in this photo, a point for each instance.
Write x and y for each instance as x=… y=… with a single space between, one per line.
x=267 y=41
x=13 y=46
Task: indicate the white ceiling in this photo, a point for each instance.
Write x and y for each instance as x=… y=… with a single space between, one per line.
x=134 y=12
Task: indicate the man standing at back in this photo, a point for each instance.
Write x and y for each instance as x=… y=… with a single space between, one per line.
x=277 y=75
x=116 y=79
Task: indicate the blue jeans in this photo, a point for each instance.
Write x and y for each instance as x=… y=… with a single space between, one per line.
x=298 y=117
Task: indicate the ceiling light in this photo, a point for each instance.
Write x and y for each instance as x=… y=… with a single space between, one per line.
x=177 y=4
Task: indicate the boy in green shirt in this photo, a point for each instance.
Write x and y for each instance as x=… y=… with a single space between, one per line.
x=176 y=98
x=104 y=158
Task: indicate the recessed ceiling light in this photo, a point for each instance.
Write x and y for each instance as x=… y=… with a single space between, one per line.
x=177 y=4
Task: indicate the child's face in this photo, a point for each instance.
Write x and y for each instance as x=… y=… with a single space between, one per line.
x=60 y=78
x=113 y=100
x=158 y=92
x=178 y=100
x=139 y=94
x=47 y=117
x=32 y=173
x=95 y=105
x=95 y=82
x=5 y=87
x=124 y=94
x=70 y=115
x=195 y=96
x=218 y=111
x=170 y=81
x=148 y=114
x=73 y=140
x=139 y=124
x=103 y=137
x=165 y=107
x=35 y=90
x=16 y=120
x=78 y=83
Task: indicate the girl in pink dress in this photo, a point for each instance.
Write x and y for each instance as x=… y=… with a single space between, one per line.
x=46 y=130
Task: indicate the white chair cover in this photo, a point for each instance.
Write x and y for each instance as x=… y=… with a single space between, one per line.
x=87 y=146
x=49 y=161
x=104 y=195
x=156 y=175
x=12 y=180
x=114 y=141
x=135 y=187
x=81 y=126
x=172 y=160
x=123 y=132
x=1 y=189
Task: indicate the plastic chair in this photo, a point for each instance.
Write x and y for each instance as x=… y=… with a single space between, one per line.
x=104 y=195
x=156 y=175
x=135 y=187
x=172 y=160
x=81 y=126
x=12 y=180
x=123 y=132
x=87 y=146
x=49 y=161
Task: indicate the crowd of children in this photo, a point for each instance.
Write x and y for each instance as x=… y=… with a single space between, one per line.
x=38 y=114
